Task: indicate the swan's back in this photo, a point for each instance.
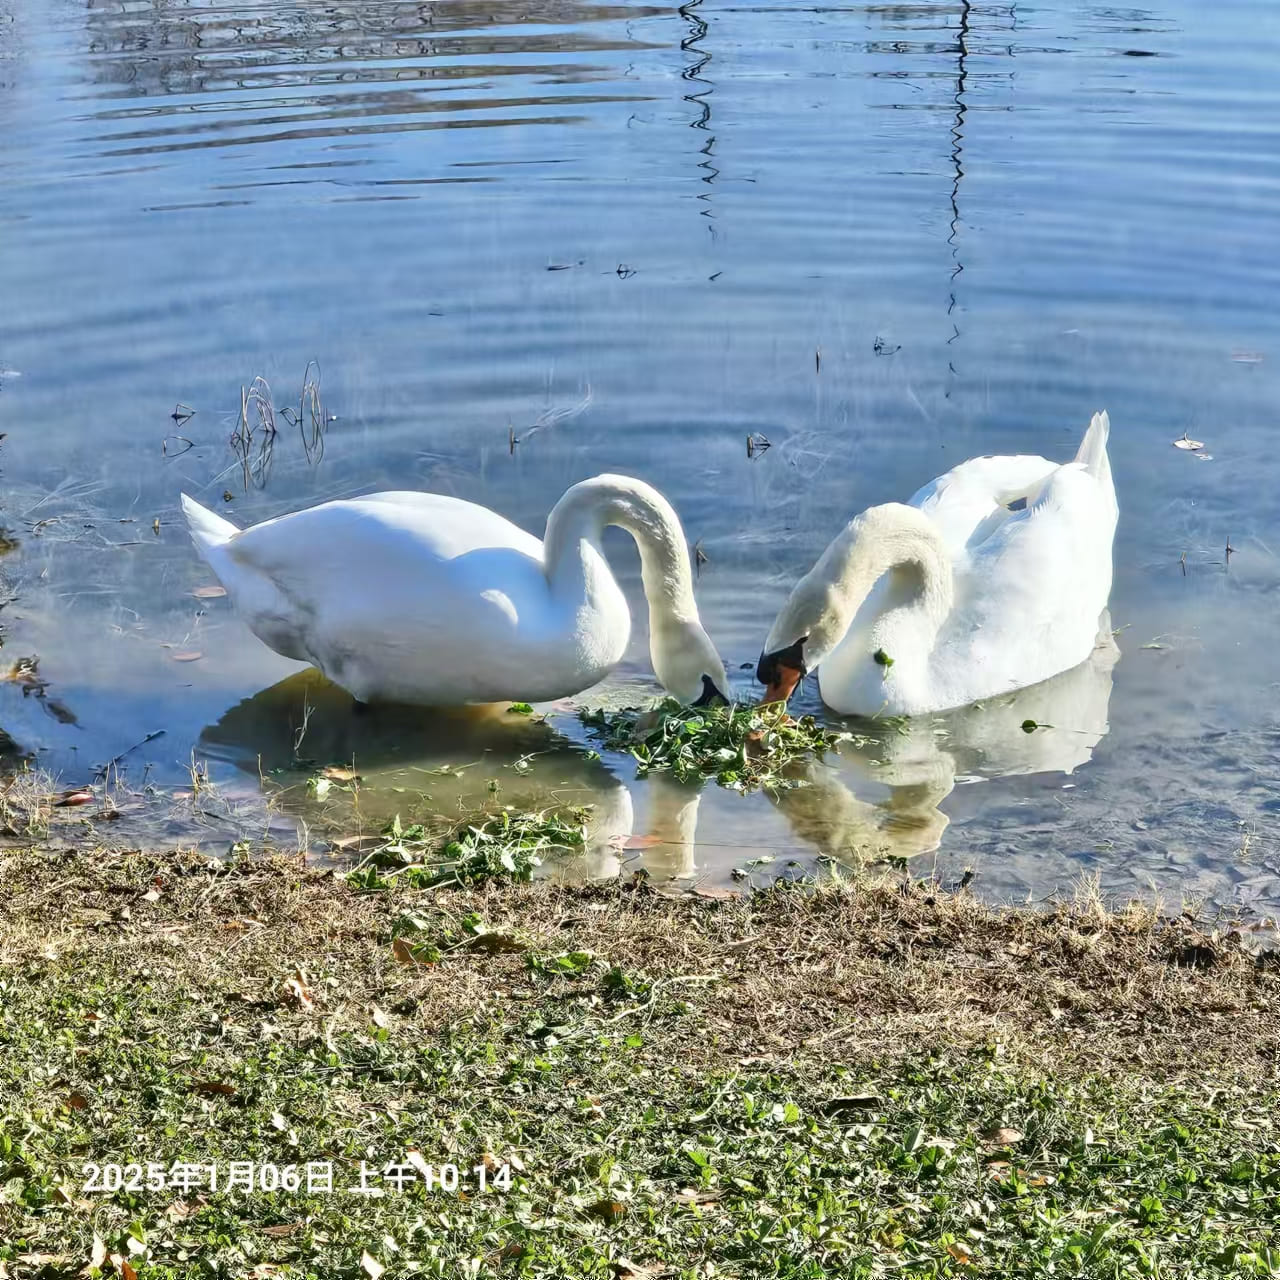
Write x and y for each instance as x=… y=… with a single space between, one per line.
x=395 y=524
x=1030 y=592
x=976 y=498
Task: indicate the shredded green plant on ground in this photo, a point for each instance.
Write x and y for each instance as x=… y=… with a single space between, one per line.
x=508 y=845
x=743 y=747
x=605 y=1082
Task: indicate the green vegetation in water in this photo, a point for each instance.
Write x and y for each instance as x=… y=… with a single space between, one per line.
x=505 y=846
x=743 y=747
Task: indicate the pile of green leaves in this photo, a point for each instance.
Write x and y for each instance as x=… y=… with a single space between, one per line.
x=743 y=747
x=504 y=846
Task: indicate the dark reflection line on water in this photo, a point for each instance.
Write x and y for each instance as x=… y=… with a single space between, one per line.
x=391 y=105
x=957 y=173
x=397 y=86
x=701 y=100
x=349 y=131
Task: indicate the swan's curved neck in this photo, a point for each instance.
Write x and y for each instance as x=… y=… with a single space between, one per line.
x=582 y=515
x=903 y=543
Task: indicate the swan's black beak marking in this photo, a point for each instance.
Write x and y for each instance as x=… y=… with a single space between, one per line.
x=782 y=670
x=792 y=656
x=710 y=695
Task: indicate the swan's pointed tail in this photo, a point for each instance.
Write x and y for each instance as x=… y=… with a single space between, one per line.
x=208 y=531
x=1092 y=454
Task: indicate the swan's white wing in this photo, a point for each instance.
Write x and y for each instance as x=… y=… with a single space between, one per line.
x=1030 y=596
x=429 y=523
x=413 y=596
x=972 y=500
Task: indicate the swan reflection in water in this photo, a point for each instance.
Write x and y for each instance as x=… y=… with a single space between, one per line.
x=880 y=798
x=422 y=764
x=876 y=799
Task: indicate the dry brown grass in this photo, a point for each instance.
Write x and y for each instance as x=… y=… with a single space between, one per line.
x=858 y=973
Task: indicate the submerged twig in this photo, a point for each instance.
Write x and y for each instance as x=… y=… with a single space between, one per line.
x=103 y=770
x=549 y=418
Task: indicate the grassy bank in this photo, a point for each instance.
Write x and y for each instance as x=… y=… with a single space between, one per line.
x=872 y=1081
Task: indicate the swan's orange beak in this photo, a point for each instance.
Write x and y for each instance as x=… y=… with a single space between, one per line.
x=781 y=671
x=783 y=684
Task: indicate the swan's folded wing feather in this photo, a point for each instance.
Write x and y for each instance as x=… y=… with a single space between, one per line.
x=380 y=525
x=973 y=499
x=1038 y=585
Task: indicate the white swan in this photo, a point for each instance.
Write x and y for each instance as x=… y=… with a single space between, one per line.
x=992 y=578
x=418 y=597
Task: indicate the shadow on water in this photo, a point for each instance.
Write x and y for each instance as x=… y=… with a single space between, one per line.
x=440 y=766
x=880 y=798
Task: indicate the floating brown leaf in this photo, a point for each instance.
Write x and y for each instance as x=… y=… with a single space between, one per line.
x=635 y=842
x=339 y=773
x=351 y=842
x=68 y=799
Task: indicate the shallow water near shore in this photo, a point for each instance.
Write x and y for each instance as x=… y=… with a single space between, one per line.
x=530 y=243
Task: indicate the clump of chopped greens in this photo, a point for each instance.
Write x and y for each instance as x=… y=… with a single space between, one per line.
x=743 y=747
x=506 y=846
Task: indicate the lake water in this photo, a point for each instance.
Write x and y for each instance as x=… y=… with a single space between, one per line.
x=884 y=238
